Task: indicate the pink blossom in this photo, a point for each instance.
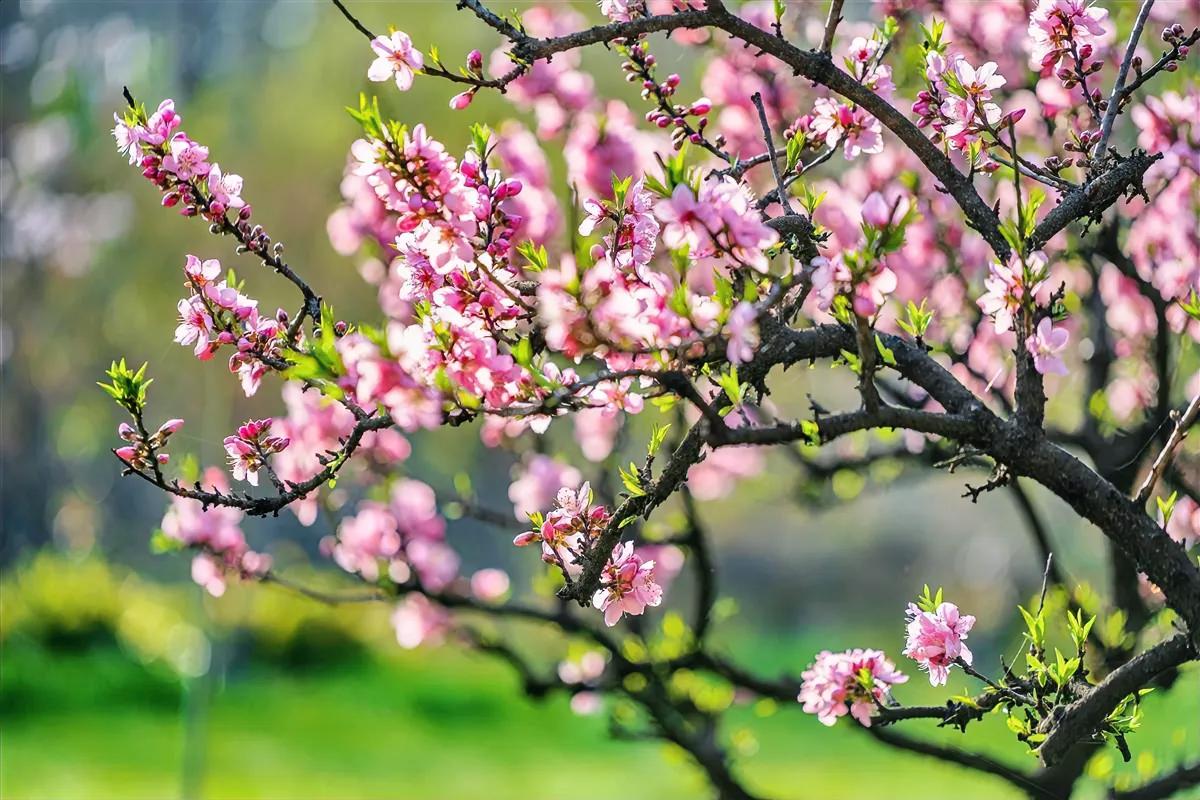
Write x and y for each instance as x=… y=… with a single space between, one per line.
x=935 y=639
x=186 y=159
x=742 y=330
x=397 y=57
x=225 y=190
x=1055 y=24
x=855 y=681
x=128 y=138
x=622 y=10
x=1010 y=285
x=857 y=130
x=1046 y=344
x=195 y=325
x=490 y=585
x=876 y=211
x=628 y=585
x=249 y=448
x=201 y=273
x=1184 y=523
x=417 y=620
x=978 y=83
x=208 y=574
x=538 y=483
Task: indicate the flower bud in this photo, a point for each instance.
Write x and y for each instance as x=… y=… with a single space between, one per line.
x=462 y=100
x=475 y=61
x=169 y=427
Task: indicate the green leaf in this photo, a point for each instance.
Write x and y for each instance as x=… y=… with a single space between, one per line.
x=535 y=255
x=658 y=435
x=632 y=480
x=885 y=353
x=161 y=543
x=1166 y=507
x=522 y=352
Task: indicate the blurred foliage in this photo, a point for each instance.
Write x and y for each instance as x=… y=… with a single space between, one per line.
x=65 y=603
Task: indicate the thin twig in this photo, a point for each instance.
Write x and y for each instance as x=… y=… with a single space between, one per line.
x=1183 y=423
x=831 y=23
x=363 y=29
x=769 y=137
x=1114 y=100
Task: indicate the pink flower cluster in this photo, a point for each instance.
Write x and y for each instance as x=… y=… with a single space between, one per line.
x=627 y=585
x=569 y=530
x=179 y=167
x=453 y=265
x=867 y=288
x=1060 y=29
x=418 y=620
x=935 y=639
x=316 y=425
x=537 y=484
x=403 y=538
x=140 y=454
x=862 y=275
x=249 y=448
x=569 y=527
x=216 y=533
x=719 y=220
x=555 y=89
x=833 y=122
x=218 y=314
x=854 y=682
x=1012 y=286
x=957 y=103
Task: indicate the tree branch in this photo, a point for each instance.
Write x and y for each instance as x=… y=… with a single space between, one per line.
x=1183 y=423
x=1114 y=100
x=1081 y=719
x=1185 y=777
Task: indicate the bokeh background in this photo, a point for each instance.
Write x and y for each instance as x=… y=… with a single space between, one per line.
x=118 y=678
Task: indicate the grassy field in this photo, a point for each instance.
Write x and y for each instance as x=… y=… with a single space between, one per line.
x=94 y=724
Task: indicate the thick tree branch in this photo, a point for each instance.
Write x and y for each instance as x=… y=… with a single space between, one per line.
x=1093 y=198
x=1080 y=720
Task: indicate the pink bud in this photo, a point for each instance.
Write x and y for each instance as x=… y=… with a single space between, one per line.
x=126 y=432
x=526 y=538
x=875 y=211
x=170 y=426
x=701 y=106
x=126 y=453
x=1012 y=117
x=462 y=100
x=163 y=458
x=475 y=61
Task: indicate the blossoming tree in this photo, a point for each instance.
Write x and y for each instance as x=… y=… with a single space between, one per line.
x=992 y=238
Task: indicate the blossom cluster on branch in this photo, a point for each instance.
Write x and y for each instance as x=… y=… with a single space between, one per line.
x=941 y=203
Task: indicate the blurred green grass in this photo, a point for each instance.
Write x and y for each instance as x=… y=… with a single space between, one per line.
x=93 y=722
